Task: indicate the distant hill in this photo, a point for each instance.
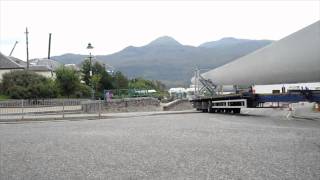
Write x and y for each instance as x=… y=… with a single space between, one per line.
x=167 y=60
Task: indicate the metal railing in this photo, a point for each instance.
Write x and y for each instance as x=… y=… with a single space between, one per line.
x=129 y=93
x=49 y=109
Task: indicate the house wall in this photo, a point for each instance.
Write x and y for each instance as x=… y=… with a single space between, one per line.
x=47 y=74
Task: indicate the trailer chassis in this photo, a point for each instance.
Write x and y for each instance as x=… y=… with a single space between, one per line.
x=235 y=102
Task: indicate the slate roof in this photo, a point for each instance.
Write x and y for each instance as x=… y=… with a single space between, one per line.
x=18 y=61
x=7 y=63
x=45 y=62
x=39 y=68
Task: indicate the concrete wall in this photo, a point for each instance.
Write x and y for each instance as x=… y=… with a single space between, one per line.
x=132 y=105
x=47 y=74
x=178 y=105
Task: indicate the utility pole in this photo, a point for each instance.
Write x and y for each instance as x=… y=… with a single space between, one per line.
x=13 y=48
x=27 y=48
x=89 y=47
x=49 y=46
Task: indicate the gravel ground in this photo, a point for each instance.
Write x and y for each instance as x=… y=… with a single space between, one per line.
x=175 y=146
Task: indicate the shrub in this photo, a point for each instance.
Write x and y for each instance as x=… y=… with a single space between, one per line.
x=27 y=85
x=67 y=80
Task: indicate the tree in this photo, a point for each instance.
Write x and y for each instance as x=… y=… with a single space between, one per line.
x=27 y=85
x=95 y=80
x=120 y=81
x=106 y=81
x=140 y=83
x=144 y=84
x=67 y=80
x=85 y=70
x=96 y=67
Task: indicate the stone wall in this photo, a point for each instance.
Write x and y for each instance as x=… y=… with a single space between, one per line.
x=132 y=105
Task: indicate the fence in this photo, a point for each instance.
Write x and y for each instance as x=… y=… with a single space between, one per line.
x=49 y=109
x=129 y=93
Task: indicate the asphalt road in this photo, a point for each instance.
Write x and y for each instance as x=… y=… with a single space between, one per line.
x=175 y=146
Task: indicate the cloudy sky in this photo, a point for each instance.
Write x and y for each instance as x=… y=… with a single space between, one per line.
x=111 y=26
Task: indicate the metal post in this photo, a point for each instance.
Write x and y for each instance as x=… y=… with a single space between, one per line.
x=49 y=47
x=99 y=109
x=27 y=44
x=91 y=74
x=22 y=110
x=195 y=83
x=62 y=108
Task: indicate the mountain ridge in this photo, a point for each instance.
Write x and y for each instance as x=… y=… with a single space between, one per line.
x=168 y=60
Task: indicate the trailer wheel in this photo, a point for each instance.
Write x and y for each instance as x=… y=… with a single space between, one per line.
x=237 y=111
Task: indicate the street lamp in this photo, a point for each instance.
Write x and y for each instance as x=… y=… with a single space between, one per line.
x=89 y=47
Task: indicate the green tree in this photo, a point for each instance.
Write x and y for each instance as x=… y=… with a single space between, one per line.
x=95 y=81
x=96 y=67
x=120 y=81
x=140 y=83
x=85 y=70
x=27 y=85
x=67 y=80
x=144 y=84
x=83 y=91
x=106 y=81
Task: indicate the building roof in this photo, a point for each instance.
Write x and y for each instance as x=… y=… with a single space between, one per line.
x=7 y=63
x=39 y=68
x=45 y=62
x=18 y=61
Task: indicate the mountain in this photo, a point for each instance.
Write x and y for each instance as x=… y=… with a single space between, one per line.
x=167 y=60
x=164 y=41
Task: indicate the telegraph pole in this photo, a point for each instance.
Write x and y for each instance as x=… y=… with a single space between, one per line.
x=49 y=46
x=27 y=48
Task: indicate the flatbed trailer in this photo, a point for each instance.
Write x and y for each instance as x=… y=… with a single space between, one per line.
x=233 y=103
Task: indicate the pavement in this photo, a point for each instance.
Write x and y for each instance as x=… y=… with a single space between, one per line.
x=300 y=111
x=183 y=145
x=305 y=111
x=83 y=116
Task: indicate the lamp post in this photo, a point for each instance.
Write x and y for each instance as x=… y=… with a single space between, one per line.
x=89 y=47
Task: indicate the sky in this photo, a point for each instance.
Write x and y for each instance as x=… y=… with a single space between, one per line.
x=110 y=26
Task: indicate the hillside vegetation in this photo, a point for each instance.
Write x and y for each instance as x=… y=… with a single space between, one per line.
x=167 y=60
